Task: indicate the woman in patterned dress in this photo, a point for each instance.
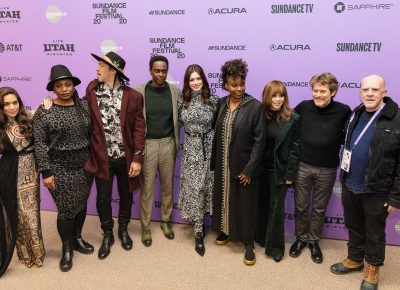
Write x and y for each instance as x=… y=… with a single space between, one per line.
x=237 y=152
x=19 y=185
x=62 y=136
x=197 y=109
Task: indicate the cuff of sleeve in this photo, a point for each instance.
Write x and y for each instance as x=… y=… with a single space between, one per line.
x=137 y=158
x=46 y=173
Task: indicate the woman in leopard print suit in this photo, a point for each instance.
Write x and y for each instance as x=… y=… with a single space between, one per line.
x=62 y=139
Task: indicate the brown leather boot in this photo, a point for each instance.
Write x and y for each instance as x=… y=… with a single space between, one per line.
x=371 y=278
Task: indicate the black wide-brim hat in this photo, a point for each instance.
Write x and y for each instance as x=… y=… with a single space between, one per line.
x=114 y=61
x=60 y=72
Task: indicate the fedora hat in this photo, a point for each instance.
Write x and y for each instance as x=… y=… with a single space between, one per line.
x=60 y=72
x=114 y=61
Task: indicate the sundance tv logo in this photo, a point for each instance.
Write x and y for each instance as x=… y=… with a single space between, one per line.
x=59 y=48
x=340 y=7
x=216 y=11
x=108 y=45
x=359 y=47
x=289 y=47
x=7 y=47
x=9 y=16
x=292 y=8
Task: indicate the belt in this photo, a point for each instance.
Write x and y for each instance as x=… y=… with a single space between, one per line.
x=200 y=135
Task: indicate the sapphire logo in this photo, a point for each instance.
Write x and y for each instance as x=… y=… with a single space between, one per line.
x=213 y=11
x=339 y=7
x=15 y=79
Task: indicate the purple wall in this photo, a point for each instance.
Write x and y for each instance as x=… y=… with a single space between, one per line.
x=284 y=40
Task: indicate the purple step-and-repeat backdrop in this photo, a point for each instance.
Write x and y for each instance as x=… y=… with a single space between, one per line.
x=288 y=40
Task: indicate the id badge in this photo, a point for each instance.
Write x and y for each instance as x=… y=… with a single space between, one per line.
x=346 y=158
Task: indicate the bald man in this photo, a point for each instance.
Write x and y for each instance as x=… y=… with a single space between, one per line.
x=370 y=176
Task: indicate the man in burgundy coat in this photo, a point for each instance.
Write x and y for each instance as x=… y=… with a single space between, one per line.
x=117 y=145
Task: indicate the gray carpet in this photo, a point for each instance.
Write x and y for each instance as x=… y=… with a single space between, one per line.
x=175 y=265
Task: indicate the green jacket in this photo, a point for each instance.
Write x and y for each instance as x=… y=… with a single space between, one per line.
x=286 y=151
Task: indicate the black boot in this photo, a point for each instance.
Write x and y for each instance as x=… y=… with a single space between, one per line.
x=200 y=249
x=66 y=258
x=81 y=245
x=108 y=241
x=123 y=235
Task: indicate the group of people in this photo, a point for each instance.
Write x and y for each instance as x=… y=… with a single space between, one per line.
x=239 y=157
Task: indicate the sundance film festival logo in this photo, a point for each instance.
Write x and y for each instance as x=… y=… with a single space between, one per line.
x=227 y=47
x=167 y=45
x=359 y=47
x=215 y=81
x=112 y=11
x=110 y=45
x=215 y=11
x=296 y=84
x=54 y=14
x=9 y=16
x=10 y=47
x=292 y=8
x=59 y=48
x=289 y=47
x=340 y=7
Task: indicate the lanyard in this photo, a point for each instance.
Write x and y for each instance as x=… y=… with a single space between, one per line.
x=376 y=114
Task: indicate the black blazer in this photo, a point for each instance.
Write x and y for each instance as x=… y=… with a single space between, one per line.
x=248 y=138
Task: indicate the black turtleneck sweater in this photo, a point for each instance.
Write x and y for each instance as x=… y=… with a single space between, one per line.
x=322 y=132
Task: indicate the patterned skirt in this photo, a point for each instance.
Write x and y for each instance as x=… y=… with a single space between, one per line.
x=73 y=183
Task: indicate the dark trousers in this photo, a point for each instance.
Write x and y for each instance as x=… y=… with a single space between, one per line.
x=365 y=219
x=313 y=186
x=104 y=192
x=271 y=215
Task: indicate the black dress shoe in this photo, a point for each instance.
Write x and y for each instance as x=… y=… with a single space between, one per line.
x=200 y=249
x=277 y=257
x=126 y=241
x=316 y=254
x=66 y=258
x=82 y=246
x=108 y=241
x=296 y=248
x=222 y=239
x=249 y=255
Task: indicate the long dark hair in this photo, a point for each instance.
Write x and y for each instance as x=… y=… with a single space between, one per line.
x=22 y=118
x=83 y=115
x=270 y=90
x=205 y=91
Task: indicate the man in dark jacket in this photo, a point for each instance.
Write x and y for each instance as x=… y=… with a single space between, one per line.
x=370 y=178
x=117 y=145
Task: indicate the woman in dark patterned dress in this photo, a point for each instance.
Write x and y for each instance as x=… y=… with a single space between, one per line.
x=19 y=185
x=62 y=136
x=197 y=110
x=280 y=166
x=236 y=158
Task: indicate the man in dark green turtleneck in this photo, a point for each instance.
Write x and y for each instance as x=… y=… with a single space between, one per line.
x=162 y=142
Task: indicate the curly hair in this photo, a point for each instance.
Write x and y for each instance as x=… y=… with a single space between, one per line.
x=234 y=68
x=271 y=89
x=22 y=118
x=186 y=92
